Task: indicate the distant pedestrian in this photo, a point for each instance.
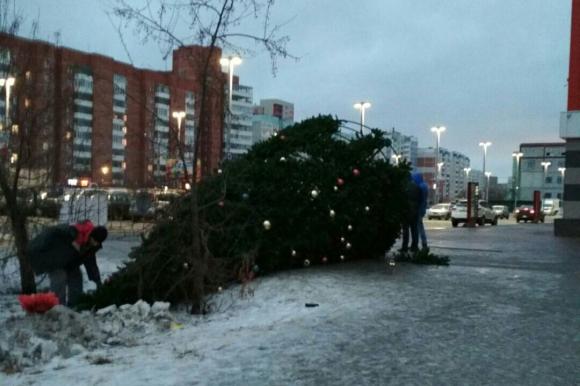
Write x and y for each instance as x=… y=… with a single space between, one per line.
x=60 y=250
x=418 y=180
x=409 y=225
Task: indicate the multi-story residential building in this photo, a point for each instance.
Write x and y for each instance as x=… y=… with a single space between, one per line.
x=270 y=116
x=403 y=145
x=109 y=122
x=238 y=133
x=452 y=178
x=541 y=169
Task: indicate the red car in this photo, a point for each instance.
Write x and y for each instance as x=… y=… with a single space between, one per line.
x=527 y=213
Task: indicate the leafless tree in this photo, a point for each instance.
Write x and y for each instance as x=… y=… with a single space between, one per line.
x=26 y=138
x=215 y=24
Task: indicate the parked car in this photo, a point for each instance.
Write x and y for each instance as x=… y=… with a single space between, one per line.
x=501 y=211
x=551 y=206
x=485 y=214
x=527 y=213
x=142 y=205
x=50 y=202
x=439 y=211
x=119 y=203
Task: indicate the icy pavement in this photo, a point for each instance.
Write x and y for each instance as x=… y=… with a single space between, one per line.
x=506 y=312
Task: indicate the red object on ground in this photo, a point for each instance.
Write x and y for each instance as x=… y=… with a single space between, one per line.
x=38 y=303
x=84 y=230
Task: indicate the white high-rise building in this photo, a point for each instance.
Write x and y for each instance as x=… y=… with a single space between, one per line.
x=238 y=134
x=271 y=116
x=452 y=178
x=404 y=145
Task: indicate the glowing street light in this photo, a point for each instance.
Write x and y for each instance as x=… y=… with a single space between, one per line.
x=485 y=145
x=397 y=157
x=362 y=106
x=466 y=171
x=7 y=83
x=230 y=62
x=179 y=115
x=438 y=130
x=562 y=171
x=545 y=165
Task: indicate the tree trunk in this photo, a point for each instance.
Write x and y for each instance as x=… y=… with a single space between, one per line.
x=27 y=280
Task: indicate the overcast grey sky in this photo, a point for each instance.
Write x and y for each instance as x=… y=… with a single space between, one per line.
x=491 y=70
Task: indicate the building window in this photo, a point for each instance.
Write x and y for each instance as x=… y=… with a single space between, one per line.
x=559 y=180
x=559 y=195
x=548 y=180
x=547 y=195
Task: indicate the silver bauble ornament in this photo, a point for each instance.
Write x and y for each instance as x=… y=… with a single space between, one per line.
x=349 y=227
x=306 y=262
x=348 y=246
x=332 y=213
x=267 y=225
x=293 y=253
x=314 y=193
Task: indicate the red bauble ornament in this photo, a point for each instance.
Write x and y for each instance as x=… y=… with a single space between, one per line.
x=221 y=204
x=324 y=259
x=339 y=181
x=356 y=172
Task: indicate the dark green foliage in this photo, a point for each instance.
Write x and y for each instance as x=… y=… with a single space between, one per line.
x=274 y=182
x=423 y=257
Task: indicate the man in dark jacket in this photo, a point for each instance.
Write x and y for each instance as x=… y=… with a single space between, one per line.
x=414 y=196
x=61 y=250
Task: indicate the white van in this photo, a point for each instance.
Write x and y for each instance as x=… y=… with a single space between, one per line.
x=551 y=206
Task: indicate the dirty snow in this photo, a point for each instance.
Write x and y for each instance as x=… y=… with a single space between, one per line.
x=492 y=318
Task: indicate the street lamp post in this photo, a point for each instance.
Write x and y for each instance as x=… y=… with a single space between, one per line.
x=563 y=172
x=439 y=167
x=466 y=170
x=517 y=156
x=179 y=115
x=545 y=165
x=487 y=174
x=104 y=172
x=362 y=106
x=485 y=145
x=231 y=62
x=397 y=157
x=7 y=83
x=437 y=130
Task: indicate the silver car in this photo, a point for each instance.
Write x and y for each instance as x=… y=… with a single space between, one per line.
x=439 y=211
x=485 y=214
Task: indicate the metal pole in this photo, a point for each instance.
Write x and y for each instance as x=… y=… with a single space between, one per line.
x=231 y=88
x=437 y=170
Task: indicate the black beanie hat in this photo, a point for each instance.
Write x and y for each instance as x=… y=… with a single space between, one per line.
x=99 y=234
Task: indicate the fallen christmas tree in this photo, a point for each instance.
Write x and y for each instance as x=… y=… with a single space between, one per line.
x=313 y=194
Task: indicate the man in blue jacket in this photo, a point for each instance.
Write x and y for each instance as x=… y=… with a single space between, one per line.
x=418 y=180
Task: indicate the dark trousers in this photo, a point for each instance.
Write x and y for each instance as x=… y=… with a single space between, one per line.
x=412 y=227
x=67 y=282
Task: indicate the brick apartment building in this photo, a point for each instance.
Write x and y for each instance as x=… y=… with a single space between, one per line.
x=107 y=121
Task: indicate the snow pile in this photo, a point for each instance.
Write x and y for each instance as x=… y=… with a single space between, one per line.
x=27 y=340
